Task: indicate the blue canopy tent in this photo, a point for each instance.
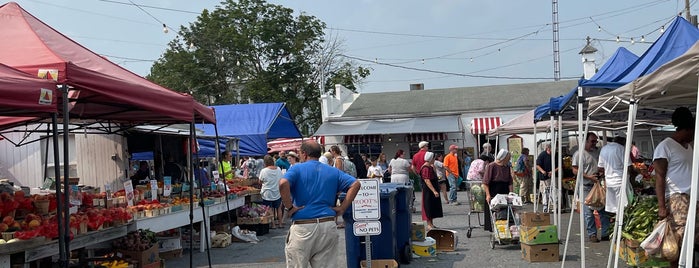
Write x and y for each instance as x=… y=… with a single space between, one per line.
x=617 y=63
x=253 y=125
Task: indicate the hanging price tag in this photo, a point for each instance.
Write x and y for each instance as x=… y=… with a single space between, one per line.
x=167 y=185
x=128 y=188
x=153 y=190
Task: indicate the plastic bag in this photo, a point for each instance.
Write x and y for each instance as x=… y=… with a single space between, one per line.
x=245 y=235
x=654 y=242
x=671 y=247
x=597 y=197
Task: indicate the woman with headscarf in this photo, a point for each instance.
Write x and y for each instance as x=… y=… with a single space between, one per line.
x=431 y=204
x=399 y=168
x=359 y=165
x=497 y=179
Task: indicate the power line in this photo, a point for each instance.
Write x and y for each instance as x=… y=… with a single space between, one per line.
x=153 y=7
x=452 y=73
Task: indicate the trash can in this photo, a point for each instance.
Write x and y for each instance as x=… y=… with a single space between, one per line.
x=383 y=246
x=403 y=220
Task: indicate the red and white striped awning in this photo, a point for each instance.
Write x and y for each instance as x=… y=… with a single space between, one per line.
x=418 y=137
x=358 y=139
x=483 y=125
x=282 y=144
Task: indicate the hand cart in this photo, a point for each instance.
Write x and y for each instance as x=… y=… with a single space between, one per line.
x=476 y=201
x=505 y=223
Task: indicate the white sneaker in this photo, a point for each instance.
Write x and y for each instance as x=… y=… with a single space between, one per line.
x=455 y=203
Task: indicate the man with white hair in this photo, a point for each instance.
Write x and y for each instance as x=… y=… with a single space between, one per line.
x=488 y=151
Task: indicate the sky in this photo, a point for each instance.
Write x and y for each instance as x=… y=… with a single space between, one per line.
x=440 y=43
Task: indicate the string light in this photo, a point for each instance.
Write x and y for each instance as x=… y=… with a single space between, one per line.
x=662 y=29
x=617 y=39
x=223 y=59
x=643 y=38
x=165 y=30
x=237 y=63
x=599 y=28
x=423 y=61
x=471 y=59
x=632 y=41
x=191 y=46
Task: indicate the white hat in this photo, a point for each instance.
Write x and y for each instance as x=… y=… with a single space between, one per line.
x=429 y=156
x=486 y=145
x=502 y=154
x=422 y=144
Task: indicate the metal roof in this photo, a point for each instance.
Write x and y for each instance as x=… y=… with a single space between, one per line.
x=455 y=100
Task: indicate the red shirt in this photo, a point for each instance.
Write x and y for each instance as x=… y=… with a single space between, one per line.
x=419 y=159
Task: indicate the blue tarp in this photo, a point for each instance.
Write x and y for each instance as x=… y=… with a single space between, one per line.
x=617 y=63
x=253 y=125
x=142 y=156
x=675 y=41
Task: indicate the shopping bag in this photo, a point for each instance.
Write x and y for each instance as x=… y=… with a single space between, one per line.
x=654 y=242
x=671 y=248
x=459 y=181
x=596 y=198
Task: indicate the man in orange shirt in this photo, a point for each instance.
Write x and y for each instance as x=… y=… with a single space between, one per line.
x=451 y=166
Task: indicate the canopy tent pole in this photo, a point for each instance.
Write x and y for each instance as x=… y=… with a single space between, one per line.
x=66 y=174
x=652 y=139
x=534 y=172
x=688 y=241
x=552 y=180
x=192 y=141
x=46 y=156
x=579 y=191
x=478 y=146
x=191 y=197
x=219 y=160
x=559 y=178
x=623 y=200
x=62 y=259
x=497 y=144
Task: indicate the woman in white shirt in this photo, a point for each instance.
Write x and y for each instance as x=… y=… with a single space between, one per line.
x=399 y=168
x=672 y=162
x=270 y=177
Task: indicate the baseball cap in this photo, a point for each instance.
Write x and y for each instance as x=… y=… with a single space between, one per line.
x=453 y=146
x=422 y=144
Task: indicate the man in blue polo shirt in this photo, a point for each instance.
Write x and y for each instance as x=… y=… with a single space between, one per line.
x=308 y=192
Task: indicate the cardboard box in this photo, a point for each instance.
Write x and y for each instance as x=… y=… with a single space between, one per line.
x=170 y=254
x=446 y=239
x=503 y=229
x=535 y=219
x=540 y=253
x=142 y=257
x=632 y=256
x=418 y=231
x=538 y=235
x=381 y=264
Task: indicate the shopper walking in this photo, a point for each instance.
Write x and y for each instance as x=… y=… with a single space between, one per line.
x=451 y=166
x=308 y=192
x=545 y=169
x=611 y=164
x=399 y=168
x=523 y=172
x=431 y=204
x=270 y=177
x=590 y=174
x=496 y=180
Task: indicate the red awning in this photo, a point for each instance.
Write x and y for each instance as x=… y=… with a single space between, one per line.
x=279 y=145
x=483 y=125
x=418 y=137
x=100 y=89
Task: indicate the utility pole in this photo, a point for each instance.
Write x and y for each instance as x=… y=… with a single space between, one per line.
x=556 y=49
x=688 y=16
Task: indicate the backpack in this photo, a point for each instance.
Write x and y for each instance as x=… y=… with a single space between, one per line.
x=349 y=167
x=520 y=167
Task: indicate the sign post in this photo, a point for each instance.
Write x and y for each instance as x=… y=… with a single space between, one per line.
x=366 y=211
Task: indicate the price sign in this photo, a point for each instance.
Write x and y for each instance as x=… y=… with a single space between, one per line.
x=128 y=188
x=366 y=206
x=167 y=185
x=153 y=190
x=366 y=228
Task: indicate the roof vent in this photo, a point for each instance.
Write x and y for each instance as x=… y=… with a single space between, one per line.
x=420 y=86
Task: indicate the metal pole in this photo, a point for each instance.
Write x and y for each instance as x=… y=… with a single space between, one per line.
x=688 y=241
x=62 y=259
x=66 y=172
x=534 y=171
x=559 y=179
x=193 y=139
x=225 y=184
x=191 y=199
x=552 y=187
x=367 y=241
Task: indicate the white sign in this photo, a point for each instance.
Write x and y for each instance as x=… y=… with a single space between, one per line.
x=167 y=185
x=128 y=189
x=366 y=228
x=367 y=206
x=153 y=190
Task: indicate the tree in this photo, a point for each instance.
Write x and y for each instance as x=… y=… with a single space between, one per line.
x=251 y=51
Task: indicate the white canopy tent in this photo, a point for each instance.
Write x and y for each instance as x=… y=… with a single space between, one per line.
x=655 y=96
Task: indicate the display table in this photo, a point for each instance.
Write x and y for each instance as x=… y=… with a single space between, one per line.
x=39 y=248
x=181 y=218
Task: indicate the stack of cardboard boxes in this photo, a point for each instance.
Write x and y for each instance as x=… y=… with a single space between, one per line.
x=539 y=239
x=422 y=245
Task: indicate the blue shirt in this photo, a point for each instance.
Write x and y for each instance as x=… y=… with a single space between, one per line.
x=314 y=186
x=282 y=163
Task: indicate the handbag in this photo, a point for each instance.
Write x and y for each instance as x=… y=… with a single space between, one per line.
x=597 y=197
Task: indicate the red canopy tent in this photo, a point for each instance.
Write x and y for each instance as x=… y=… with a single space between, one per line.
x=25 y=95
x=100 y=89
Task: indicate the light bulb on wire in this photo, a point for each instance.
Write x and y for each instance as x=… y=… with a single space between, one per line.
x=662 y=29
x=191 y=46
x=423 y=61
x=617 y=39
x=643 y=38
x=471 y=59
x=165 y=30
x=632 y=41
x=237 y=63
x=223 y=59
x=599 y=28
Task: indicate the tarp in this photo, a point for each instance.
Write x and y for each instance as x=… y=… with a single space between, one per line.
x=24 y=95
x=100 y=88
x=253 y=124
x=676 y=40
x=446 y=124
x=617 y=64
